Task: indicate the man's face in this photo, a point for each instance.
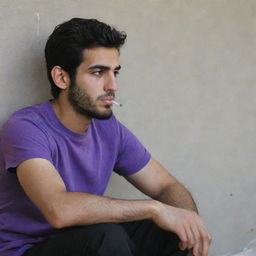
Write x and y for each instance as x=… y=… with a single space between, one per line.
x=94 y=88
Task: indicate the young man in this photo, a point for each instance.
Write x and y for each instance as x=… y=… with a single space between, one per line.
x=57 y=158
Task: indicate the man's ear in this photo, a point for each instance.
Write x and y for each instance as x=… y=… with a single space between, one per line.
x=60 y=77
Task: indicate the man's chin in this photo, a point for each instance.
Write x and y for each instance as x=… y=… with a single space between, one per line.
x=104 y=115
x=94 y=113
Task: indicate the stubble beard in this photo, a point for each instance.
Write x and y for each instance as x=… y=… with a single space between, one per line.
x=83 y=104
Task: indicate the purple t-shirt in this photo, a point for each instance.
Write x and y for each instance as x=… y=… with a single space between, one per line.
x=84 y=161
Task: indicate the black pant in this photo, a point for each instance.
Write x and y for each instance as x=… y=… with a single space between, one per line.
x=139 y=238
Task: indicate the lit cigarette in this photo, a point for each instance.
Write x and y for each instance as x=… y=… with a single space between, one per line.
x=116 y=103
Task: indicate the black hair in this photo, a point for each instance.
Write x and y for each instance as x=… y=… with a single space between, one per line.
x=65 y=45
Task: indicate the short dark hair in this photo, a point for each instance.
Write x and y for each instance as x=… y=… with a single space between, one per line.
x=65 y=45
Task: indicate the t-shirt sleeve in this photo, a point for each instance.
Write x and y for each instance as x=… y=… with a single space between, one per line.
x=22 y=139
x=132 y=156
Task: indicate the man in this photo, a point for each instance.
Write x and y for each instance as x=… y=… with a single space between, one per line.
x=57 y=158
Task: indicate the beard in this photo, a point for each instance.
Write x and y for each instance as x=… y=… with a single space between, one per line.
x=84 y=105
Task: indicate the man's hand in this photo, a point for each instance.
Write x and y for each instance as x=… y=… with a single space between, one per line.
x=187 y=225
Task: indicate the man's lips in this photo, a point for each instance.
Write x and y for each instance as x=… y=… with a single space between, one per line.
x=107 y=101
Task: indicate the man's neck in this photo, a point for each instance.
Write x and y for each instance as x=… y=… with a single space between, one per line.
x=69 y=117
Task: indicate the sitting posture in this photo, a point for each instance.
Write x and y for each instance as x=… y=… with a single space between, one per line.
x=57 y=157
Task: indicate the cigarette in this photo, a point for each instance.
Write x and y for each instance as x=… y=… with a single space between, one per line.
x=116 y=103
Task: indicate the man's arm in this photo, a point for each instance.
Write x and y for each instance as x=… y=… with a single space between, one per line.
x=155 y=181
x=178 y=210
x=44 y=186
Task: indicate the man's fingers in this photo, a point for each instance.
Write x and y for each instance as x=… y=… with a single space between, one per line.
x=182 y=246
x=191 y=238
x=187 y=239
x=206 y=241
x=203 y=240
x=189 y=227
x=199 y=238
x=197 y=248
x=193 y=234
x=183 y=239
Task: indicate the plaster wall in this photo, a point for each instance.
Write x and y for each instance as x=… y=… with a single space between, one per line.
x=187 y=85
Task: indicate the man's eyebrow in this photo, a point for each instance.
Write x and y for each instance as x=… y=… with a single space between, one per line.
x=103 y=67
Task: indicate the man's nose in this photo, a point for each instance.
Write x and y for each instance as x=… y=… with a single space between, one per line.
x=111 y=83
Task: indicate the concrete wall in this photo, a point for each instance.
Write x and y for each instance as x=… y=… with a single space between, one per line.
x=187 y=85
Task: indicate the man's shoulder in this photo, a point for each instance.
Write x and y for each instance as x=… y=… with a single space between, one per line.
x=27 y=112
x=27 y=115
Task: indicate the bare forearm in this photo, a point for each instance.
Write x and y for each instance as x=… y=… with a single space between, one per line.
x=45 y=188
x=178 y=196
x=156 y=182
x=83 y=209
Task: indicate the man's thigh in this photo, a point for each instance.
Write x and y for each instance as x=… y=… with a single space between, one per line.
x=150 y=240
x=93 y=240
x=139 y=238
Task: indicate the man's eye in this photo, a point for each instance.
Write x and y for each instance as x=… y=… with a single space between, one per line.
x=97 y=73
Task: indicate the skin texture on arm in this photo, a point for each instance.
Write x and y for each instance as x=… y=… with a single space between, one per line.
x=44 y=186
x=155 y=181
x=177 y=210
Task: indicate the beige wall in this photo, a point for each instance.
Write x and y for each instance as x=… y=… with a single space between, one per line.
x=187 y=85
